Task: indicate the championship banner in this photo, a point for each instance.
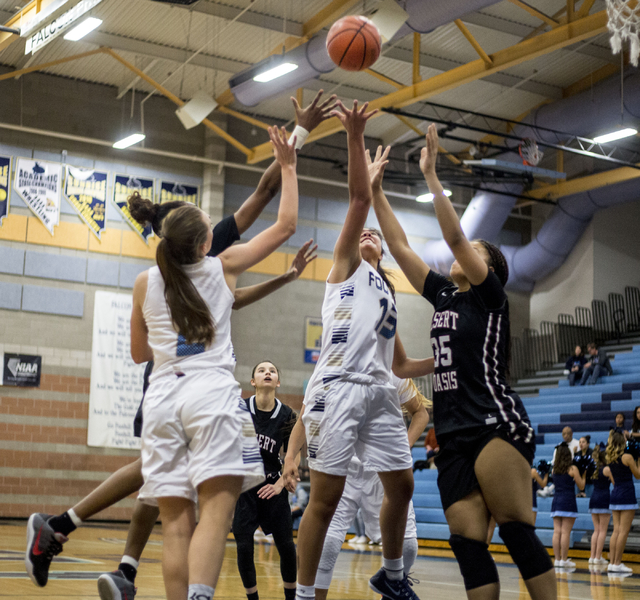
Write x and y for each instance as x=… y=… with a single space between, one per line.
x=313 y=339
x=116 y=381
x=20 y=370
x=39 y=184
x=123 y=187
x=86 y=191
x=5 y=174
x=171 y=191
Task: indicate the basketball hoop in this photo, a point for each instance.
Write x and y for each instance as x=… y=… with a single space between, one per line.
x=530 y=153
x=624 y=24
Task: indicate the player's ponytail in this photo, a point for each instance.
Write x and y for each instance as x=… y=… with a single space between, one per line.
x=497 y=261
x=146 y=212
x=409 y=385
x=183 y=232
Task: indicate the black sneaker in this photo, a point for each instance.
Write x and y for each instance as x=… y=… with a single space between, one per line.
x=391 y=589
x=115 y=586
x=43 y=543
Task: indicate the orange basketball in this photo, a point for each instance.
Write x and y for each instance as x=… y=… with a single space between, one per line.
x=354 y=43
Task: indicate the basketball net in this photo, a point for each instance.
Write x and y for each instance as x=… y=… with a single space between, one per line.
x=530 y=153
x=624 y=24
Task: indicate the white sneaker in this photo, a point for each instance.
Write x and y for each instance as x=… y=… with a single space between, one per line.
x=622 y=568
x=593 y=561
x=601 y=561
x=268 y=538
x=612 y=568
x=567 y=564
x=358 y=540
x=557 y=563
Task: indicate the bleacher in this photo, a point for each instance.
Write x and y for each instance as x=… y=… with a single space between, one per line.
x=588 y=410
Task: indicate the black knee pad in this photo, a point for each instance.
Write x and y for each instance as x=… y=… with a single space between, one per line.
x=476 y=565
x=526 y=549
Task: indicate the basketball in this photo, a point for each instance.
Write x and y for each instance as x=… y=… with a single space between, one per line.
x=354 y=43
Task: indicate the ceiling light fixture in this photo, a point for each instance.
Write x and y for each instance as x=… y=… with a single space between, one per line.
x=423 y=198
x=275 y=72
x=130 y=140
x=79 y=31
x=615 y=135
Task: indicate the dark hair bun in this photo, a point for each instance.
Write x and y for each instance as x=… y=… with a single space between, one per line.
x=142 y=209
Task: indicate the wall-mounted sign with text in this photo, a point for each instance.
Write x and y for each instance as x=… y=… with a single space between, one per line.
x=170 y=191
x=21 y=370
x=123 y=187
x=86 y=191
x=49 y=32
x=39 y=184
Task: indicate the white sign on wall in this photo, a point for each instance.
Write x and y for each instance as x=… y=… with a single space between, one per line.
x=39 y=184
x=116 y=381
x=40 y=38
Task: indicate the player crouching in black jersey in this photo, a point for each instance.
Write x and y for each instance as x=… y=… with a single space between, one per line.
x=267 y=505
x=486 y=439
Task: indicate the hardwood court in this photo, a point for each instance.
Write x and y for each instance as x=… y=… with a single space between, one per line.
x=95 y=550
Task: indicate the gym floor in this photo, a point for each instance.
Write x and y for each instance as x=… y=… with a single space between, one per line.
x=94 y=550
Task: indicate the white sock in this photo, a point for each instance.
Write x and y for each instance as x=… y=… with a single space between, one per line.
x=198 y=591
x=393 y=568
x=129 y=560
x=77 y=521
x=305 y=592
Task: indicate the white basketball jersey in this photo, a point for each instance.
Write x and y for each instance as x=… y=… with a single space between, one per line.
x=169 y=347
x=359 y=325
x=404 y=388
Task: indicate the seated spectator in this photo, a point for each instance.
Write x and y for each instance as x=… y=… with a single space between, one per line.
x=635 y=427
x=432 y=448
x=574 y=365
x=597 y=366
x=620 y=418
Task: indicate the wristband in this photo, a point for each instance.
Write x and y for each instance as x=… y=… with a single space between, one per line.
x=301 y=134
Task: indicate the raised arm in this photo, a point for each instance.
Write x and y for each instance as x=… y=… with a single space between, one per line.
x=408 y=368
x=308 y=118
x=239 y=258
x=472 y=264
x=577 y=477
x=411 y=264
x=250 y=294
x=346 y=253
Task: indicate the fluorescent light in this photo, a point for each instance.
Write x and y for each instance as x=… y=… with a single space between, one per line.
x=615 y=135
x=276 y=72
x=79 y=31
x=429 y=197
x=129 y=141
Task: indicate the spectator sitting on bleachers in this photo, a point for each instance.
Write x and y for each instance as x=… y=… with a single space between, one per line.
x=574 y=365
x=597 y=366
x=635 y=426
x=432 y=448
x=619 y=426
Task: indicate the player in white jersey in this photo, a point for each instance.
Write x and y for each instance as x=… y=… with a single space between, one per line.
x=198 y=439
x=363 y=489
x=350 y=403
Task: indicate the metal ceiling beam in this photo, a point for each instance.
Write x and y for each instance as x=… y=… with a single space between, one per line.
x=560 y=37
x=125 y=88
x=583 y=184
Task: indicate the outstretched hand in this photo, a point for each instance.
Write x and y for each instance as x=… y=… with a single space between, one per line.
x=354 y=120
x=285 y=153
x=305 y=255
x=311 y=116
x=429 y=154
x=290 y=475
x=377 y=165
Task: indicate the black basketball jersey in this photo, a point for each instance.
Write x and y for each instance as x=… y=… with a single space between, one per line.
x=469 y=337
x=273 y=429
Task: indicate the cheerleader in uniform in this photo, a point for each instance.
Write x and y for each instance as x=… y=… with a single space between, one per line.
x=599 y=507
x=621 y=469
x=564 y=508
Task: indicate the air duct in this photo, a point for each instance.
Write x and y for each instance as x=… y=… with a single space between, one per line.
x=591 y=111
x=313 y=59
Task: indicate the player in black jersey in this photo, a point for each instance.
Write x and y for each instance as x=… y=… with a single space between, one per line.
x=486 y=439
x=128 y=479
x=267 y=505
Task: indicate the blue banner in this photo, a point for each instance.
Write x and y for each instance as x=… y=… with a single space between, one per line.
x=170 y=191
x=5 y=175
x=86 y=191
x=123 y=187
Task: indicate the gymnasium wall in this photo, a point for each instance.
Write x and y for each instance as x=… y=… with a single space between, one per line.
x=47 y=286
